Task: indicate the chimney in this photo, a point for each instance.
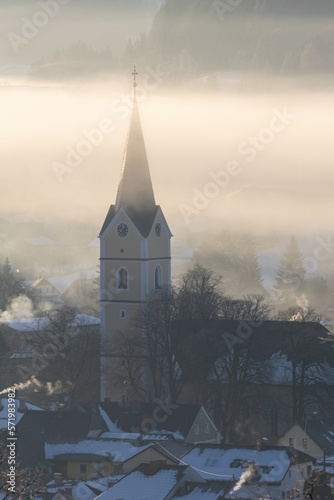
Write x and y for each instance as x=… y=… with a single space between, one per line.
x=68 y=490
x=57 y=477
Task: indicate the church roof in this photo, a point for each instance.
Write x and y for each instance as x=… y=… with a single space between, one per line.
x=142 y=220
x=135 y=192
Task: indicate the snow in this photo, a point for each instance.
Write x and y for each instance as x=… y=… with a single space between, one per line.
x=25 y=324
x=138 y=486
x=120 y=451
x=62 y=283
x=224 y=464
x=198 y=494
x=112 y=428
x=81 y=490
x=120 y=435
x=163 y=435
x=37 y=324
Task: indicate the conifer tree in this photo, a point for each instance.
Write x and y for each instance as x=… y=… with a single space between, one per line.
x=290 y=280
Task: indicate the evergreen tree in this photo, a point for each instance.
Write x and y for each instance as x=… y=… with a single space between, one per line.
x=10 y=285
x=234 y=257
x=290 y=280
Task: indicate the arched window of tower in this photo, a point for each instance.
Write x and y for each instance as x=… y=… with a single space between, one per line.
x=122 y=279
x=158 y=277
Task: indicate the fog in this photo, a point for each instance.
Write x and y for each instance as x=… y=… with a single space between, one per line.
x=229 y=148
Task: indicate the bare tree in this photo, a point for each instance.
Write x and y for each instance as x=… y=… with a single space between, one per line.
x=67 y=350
x=304 y=349
x=236 y=375
x=17 y=482
x=148 y=349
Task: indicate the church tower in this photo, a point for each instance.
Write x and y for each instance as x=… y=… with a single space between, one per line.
x=135 y=255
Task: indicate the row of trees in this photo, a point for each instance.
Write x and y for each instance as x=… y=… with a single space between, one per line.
x=176 y=339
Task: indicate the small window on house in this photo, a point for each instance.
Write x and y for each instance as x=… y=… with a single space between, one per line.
x=82 y=468
x=122 y=279
x=122 y=314
x=288 y=495
x=206 y=428
x=283 y=495
x=304 y=443
x=309 y=470
x=291 y=442
x=196 y=429
x=158 y=278
x=292 y=496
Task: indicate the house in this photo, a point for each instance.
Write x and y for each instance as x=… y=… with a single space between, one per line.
x=273 y=472
x=75 y=290
x=92 y=458
x=314 y=436
x=210 y=490
x=21 y=407
x=152 y=482
x=36 y=427
x=267 y=355
x=189 y=423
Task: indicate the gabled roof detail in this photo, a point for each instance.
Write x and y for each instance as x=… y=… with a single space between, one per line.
x=142 y=220
x=178 y=420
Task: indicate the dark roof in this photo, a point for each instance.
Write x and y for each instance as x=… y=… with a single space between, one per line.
x=321 y=431
x=37 y=426
x=139 y=416
x=265 y=337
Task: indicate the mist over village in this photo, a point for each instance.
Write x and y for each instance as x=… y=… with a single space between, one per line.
x=166 y=249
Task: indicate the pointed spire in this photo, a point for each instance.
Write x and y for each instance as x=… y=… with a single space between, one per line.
x=135 y=191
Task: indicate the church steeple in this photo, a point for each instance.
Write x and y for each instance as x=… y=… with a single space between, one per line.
x=135 y=191
x=135 y=256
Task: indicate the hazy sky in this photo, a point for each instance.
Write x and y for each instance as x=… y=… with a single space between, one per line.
x=261 y=161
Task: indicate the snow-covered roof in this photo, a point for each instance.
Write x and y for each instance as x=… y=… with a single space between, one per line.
x=200 y=494
x=62 y=283
x=221 y=464
x=120 y=451
x=18 y=414
x=138 y=486
x=34 y=324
